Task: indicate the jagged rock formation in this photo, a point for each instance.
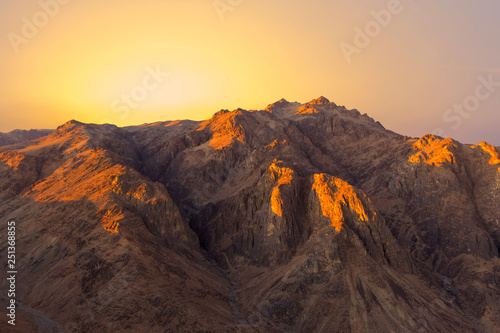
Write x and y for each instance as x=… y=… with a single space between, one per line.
x=298 y=218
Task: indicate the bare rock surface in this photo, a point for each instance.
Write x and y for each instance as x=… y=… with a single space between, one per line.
x=297 y=218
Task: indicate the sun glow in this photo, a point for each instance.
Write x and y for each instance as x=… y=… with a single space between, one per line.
x=83 y=57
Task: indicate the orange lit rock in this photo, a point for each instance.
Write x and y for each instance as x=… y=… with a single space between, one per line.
x=11 y=159
x=275 y=143
x=277 y=202
x=433 y=151
x=283 y=176
x=320 y=101
x=335 y=195
x=225 y=128
x=313 y=106
x=111 y=218
x=495 y=158
x=307 y=109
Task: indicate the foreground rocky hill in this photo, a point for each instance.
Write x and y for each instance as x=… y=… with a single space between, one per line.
x=297 y=218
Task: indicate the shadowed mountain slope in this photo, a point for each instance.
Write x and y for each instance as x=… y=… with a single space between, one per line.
x=18 y=136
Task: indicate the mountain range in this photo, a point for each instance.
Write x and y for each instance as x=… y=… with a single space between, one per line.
x=296 y=218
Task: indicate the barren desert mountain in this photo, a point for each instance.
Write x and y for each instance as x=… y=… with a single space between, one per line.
x=18 y=136
x=296 y=218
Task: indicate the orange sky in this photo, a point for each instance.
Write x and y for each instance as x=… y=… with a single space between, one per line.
x=92 y=61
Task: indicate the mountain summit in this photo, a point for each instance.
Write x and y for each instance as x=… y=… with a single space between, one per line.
x=297 y=218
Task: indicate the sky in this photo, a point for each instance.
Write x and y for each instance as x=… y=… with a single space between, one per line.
x=416 y=66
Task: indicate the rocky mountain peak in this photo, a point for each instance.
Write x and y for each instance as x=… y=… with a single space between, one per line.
x=320 y=101
x=282 y=103
x=321 y=104
x=71 y=124
x=433 y=151
x=68 y=127
x=492 y=151
x=298 y=218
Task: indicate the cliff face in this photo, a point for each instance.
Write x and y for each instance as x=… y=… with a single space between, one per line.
x=298 y=218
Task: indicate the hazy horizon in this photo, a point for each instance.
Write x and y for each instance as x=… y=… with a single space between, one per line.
x=417 y=67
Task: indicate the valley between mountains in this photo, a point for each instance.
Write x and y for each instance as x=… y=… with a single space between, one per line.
x=297 y=218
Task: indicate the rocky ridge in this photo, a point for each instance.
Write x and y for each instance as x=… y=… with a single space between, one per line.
x=18 y=136
x=297 y=218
